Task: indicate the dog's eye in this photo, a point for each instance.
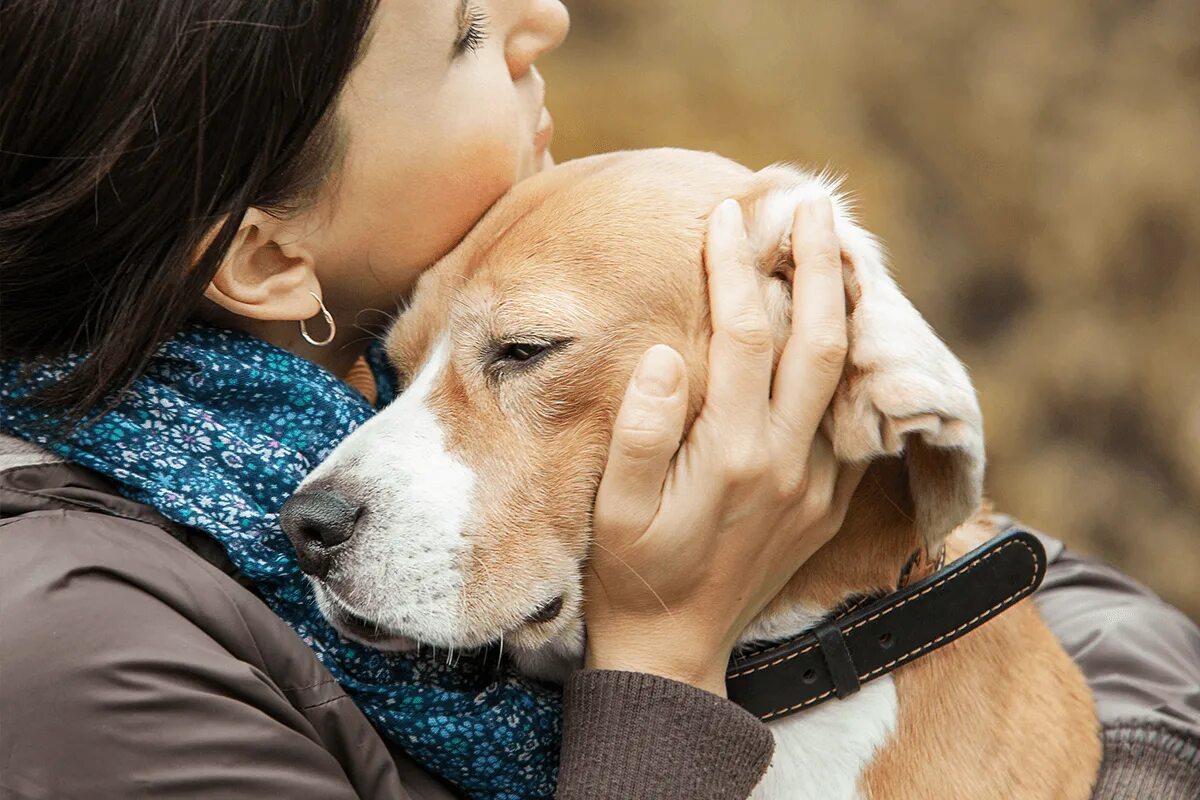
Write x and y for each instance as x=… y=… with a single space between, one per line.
x=521 y=352
x=518 y=355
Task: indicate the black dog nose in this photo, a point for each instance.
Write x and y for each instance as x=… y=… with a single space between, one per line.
x=316 y=522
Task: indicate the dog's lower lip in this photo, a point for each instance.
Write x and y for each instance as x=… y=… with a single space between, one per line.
x=359 y=626
x=368 y=631
x=357 y=621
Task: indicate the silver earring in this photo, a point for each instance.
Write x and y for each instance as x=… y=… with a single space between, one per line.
x=328 y=320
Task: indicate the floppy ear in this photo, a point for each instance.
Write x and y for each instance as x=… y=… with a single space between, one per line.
x=903 y=393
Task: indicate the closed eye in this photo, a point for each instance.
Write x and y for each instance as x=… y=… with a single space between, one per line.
x=472 y=28
x=521 y=351
x=521 y=354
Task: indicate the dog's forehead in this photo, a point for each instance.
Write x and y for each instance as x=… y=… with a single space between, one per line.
x=617 y=227
x=625 y=218
x=606 y=204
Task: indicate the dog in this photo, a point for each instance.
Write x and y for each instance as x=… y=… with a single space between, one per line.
x=469 y=498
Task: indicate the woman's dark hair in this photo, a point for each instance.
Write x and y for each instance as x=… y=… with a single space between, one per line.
x=128 y=130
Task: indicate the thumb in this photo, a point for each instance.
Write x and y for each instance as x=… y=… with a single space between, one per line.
x=645 y=438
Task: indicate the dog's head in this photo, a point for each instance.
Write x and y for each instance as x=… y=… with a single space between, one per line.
x=465 y=506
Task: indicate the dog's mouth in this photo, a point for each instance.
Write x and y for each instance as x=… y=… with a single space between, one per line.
x=358 y=628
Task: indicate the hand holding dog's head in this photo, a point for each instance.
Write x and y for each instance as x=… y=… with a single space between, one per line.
x=903 y=391
x=477 y=485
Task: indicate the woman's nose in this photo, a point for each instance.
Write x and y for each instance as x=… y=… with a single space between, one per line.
x=540 y=29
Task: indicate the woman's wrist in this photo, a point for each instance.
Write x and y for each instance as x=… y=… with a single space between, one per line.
x=665 y=656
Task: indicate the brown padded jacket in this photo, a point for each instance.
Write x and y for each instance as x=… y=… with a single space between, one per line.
x=133 y=663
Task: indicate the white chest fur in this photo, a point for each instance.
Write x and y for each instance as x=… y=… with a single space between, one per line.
x=822 y=752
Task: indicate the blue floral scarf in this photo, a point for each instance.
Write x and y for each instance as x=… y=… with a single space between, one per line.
x=216 y=435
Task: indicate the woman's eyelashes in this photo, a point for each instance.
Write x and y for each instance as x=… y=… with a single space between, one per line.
x=472 y=28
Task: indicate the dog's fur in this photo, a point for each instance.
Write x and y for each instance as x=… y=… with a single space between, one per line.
x=478 y=481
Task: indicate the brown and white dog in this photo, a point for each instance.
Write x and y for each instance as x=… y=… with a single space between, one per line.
x=473 y=491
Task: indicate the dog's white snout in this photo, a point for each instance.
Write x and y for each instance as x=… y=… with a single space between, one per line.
x=404 y=563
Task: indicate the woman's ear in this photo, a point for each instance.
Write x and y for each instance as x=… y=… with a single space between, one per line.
x=267 y=274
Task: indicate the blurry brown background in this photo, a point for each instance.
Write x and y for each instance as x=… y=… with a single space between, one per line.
x=1034 y=168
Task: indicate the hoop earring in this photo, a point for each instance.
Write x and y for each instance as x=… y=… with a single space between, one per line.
x=328 y=320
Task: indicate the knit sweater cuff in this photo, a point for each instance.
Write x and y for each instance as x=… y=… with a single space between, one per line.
x=630 y=734
x=1142 y=760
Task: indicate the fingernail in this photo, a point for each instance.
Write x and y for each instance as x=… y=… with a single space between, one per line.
x=818 y=210
x=659 y=373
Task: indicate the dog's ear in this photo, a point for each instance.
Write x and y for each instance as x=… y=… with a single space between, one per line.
x=903 y=393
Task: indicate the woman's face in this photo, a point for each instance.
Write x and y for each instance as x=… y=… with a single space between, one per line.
x=442 y=115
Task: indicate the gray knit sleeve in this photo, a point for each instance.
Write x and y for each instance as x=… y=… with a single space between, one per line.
x=629 y=734
x=1146 y=760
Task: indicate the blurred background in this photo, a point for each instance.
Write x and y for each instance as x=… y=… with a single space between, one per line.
x=1034 y=169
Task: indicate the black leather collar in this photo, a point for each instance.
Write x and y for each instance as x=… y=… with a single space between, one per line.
x=839 y=655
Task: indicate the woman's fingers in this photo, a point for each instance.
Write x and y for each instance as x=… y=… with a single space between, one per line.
x=813 y=359
x=742 y=346
x=646 y=436
x=828 y=487
x=832 y=483
x=849 y=476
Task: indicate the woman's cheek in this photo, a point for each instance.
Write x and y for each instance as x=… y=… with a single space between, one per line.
x=455 y=192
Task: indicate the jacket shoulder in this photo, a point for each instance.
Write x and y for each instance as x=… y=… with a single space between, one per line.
x=128 y=658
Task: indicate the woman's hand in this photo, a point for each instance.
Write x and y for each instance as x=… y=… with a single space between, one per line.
x=692 y=542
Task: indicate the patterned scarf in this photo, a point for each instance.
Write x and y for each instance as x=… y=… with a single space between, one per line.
x=216 y=435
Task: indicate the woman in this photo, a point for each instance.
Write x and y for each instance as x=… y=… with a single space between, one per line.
x=249 y=166
x=252 y=166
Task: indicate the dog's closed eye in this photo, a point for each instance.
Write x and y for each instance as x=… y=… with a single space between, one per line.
x=521 y=351
x=521 y=354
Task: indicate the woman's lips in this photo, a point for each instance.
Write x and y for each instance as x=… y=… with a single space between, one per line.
x=544 y=132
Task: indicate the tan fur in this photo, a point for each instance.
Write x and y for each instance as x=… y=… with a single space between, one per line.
x=607 y=252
